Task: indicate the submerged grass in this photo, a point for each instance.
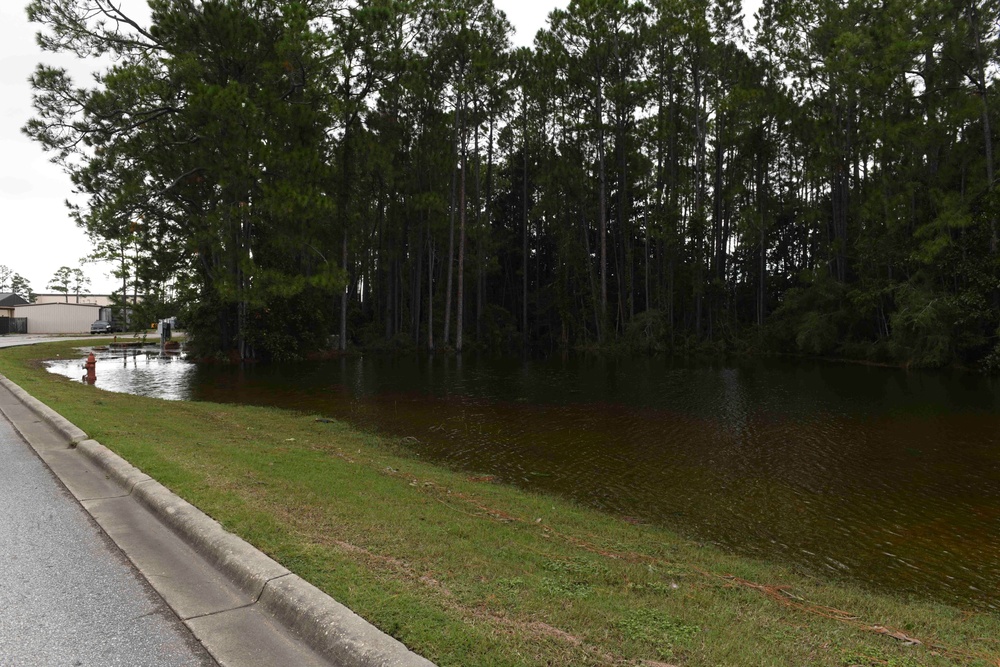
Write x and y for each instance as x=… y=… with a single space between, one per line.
x=467 y=572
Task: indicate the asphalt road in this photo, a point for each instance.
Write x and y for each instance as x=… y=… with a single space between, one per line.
x=67 y=594
x=30 y=339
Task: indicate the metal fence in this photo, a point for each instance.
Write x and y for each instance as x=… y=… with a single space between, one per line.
x=13 y=325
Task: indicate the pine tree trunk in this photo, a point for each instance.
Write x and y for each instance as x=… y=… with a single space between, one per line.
x=430 y=289
x=987 y=131
x=484 y=234
x=460 y=297
x=602 y=221
x=451 y=230
x=343 y=297
x=524 y=227
x=415 y=300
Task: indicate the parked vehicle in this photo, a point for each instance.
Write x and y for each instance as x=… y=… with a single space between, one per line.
x=104 y=326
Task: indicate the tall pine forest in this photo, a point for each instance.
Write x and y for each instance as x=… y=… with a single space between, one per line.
x=647 y=176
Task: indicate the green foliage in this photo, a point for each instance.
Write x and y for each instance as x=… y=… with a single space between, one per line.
x=646 y=175
x=152 y=309
x=19 y=286
x=923 y=326
x=205 y=167
x=15 y=283
x=61 y=281
x=289 y=328
x=648 y=331
x=372 y=337
x=812 y=319
x=499 y=330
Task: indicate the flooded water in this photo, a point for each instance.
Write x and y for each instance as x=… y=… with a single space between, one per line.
x=144 y=371
x=882 y=476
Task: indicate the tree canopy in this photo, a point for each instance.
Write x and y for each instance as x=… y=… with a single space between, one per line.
x=647 y=175
x=15 y=283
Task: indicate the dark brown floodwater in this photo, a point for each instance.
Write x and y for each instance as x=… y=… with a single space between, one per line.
x=883 y=476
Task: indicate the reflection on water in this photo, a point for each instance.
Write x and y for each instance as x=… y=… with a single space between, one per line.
x=883 y=476
x=141 y=372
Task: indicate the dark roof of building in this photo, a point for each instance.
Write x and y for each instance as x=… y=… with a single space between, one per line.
x=8 y=299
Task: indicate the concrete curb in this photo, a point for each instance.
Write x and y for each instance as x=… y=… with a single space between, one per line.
x=244 y=565
x=123 y=473
x=63 y=426
x=325 y=625
x=330 y=628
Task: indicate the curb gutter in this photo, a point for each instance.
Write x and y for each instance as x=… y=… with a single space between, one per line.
x=70 y=431
x=322 y=623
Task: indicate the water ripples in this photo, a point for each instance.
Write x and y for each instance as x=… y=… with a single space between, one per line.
x=881 y=476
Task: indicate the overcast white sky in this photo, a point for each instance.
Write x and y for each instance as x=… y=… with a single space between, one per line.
x=36 y=233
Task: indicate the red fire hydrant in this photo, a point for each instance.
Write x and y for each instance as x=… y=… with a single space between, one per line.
x=91 y=366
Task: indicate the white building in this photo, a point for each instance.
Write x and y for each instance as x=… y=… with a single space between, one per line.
x=85 y=299
x=59 y=318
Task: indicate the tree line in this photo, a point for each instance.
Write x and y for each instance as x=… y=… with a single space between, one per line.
x=65 y=281
x=14 y=283
x=648 y=175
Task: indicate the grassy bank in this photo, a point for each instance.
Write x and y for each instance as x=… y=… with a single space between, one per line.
x=467 y=572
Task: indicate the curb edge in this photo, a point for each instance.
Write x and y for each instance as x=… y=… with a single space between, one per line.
x=73 y=434
x=322 y=623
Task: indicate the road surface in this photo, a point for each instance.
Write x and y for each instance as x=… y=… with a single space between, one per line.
x=68 y=597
